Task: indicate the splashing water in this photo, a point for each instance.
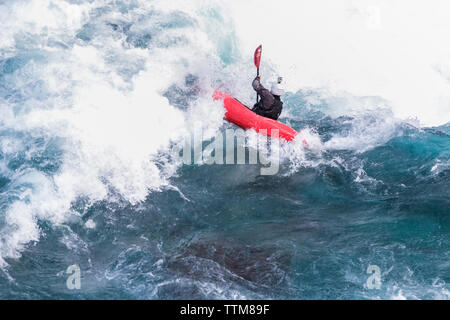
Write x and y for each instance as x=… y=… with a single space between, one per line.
x=94 y=97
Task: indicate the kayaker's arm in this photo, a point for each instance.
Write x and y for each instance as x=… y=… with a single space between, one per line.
x=267 y=98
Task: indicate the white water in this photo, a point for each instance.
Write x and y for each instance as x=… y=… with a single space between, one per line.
x=104 y=100
x=397 y=50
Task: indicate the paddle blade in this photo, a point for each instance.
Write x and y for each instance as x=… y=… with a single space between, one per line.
x=257 y=56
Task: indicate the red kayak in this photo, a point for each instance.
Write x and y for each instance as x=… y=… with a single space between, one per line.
x=243 y=117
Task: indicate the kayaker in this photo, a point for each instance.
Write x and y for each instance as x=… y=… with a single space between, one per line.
x=270 y=104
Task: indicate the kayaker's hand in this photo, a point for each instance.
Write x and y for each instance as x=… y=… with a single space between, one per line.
x=256 y=83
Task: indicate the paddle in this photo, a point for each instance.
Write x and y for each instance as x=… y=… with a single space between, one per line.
x=257 y=60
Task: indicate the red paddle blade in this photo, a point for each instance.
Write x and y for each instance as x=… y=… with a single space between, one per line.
x=257 y=56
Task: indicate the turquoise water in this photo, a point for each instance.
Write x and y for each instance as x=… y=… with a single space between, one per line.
x=79 y=185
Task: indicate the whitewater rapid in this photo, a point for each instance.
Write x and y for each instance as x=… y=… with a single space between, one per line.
x=96 y=95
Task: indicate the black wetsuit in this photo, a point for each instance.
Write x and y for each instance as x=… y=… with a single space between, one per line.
x=269 y=106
